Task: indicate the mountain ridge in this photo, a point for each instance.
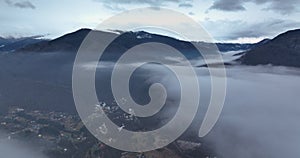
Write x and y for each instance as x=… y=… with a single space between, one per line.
x=283 y=50
x=70 y=42
x=11 y=44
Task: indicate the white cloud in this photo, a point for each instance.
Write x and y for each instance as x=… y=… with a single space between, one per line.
x=237 y=30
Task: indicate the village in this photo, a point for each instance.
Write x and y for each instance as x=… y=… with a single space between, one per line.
x=62 y=135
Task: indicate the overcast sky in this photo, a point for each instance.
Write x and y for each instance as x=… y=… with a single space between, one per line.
x=225 y=20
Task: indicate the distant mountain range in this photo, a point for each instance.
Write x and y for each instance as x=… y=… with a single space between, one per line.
x=283 y=50
x=227 y=47
x=71 y=42
x=12 y=44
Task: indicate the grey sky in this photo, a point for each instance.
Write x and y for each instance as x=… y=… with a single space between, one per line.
x=225 y=20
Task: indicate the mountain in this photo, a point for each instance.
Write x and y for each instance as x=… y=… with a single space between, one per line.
x=227 y=47
x=4 y=41
x=283 y=50
x=71 y=42
x=68 y=42
x=11 y=44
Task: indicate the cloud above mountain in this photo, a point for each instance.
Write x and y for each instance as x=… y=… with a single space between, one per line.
x=20 y=4
x=243 y=29
x=280 y=6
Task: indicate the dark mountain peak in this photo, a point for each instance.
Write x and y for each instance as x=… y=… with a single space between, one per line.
x=74 y=35
x=295 y=32
x=67 y=43
x=264 y=41
x=1 y=38
x=290 y=35
x=283 y=50
x=84 y=30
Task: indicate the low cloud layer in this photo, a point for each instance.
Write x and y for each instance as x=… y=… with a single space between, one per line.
x=11 y=148
x=20 y=4
x=259 y=118
x=260 y=114
x=283 y=7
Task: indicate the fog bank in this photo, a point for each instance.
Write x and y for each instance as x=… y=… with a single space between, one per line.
x=11 y=148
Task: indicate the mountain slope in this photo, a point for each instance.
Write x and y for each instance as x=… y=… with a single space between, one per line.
x=283 y=50
x=11 y=44
x=227 y=47
x=68 y=42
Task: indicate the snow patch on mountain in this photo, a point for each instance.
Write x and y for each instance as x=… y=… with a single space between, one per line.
x=143 y=36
